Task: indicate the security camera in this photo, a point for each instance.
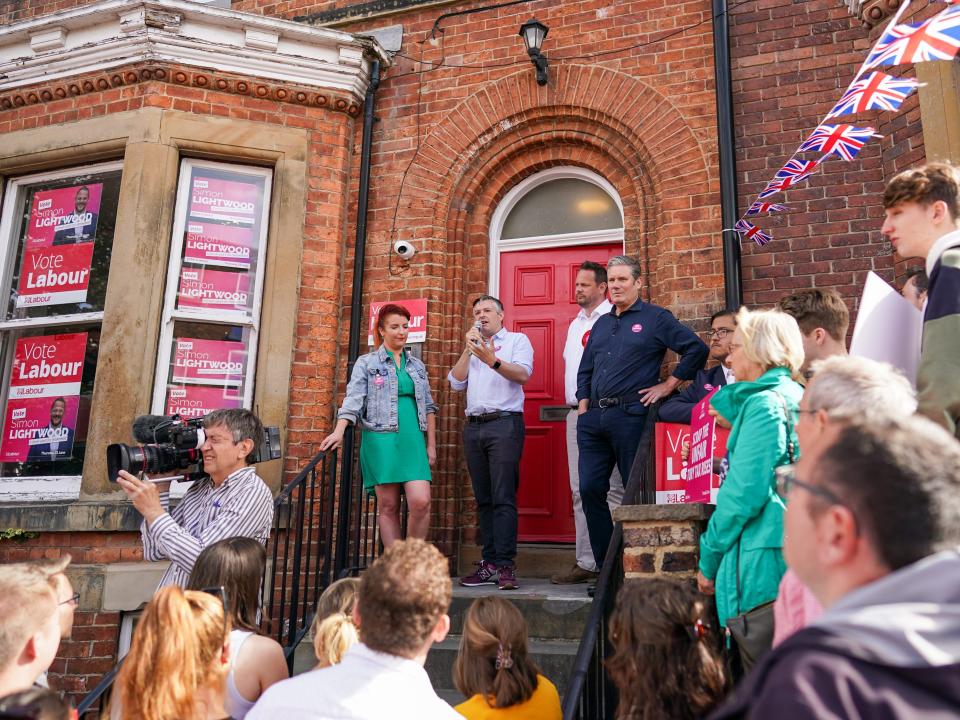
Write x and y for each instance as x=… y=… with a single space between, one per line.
x=404 y=249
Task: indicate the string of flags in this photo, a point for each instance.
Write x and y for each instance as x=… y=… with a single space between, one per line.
x=935 y=39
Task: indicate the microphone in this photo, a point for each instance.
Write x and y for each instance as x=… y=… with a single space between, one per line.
x=145 y=427
x=479 y=327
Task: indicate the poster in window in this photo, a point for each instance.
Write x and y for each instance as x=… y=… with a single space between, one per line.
x=209 y=362
x=195 y=401
x=65 y=216
x=55 y=275
x=213 y=289
x=232 y=201
x=41 y=414
x=223 y=245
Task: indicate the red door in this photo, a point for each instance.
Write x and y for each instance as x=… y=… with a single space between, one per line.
x=536 y=288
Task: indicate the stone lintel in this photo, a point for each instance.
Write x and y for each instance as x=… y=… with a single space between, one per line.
x=680 y=512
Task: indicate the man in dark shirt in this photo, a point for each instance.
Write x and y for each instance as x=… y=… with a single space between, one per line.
x=679 y=408
x=619 y=377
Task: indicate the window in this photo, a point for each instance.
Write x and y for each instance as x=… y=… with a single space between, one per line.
x=56 y=238
x=565 y=205
x=211 y=315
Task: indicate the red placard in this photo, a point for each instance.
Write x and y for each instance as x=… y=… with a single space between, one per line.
x=671 y=472
x=39 y=429
x=224 y=245
x=65 y=216
x=48 y=365
x=209 y=362
x=55 y=275
x=418 y=318
x=213 y=198
x=700 y=462
x=194 y=401
x=218 y=289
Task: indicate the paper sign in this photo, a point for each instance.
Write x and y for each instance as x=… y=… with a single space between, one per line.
x=213 y=198
x=209 y=362
x=65 y=216
x=418 y=319
x=39 y=429
x=194 y=401
x=48 y=366
x=224 y=245
x=670 y=469
x=700 y=461
x=888 y=329
x=55 y=275
x=218 y=289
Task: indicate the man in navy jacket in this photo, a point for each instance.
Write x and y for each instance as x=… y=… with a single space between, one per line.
x=679 y=408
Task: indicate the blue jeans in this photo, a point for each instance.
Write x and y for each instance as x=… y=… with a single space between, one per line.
x=605 y=437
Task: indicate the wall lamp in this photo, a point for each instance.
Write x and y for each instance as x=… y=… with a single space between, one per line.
x=533 y=33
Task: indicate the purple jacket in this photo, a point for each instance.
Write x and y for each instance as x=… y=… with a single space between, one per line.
x=887 y=651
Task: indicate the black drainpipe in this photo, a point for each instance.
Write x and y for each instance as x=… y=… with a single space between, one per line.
x=732 y=280
x=356 y=311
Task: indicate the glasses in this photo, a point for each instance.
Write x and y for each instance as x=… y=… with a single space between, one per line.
x=72 y=600
x=719 y=333
x=787 y=478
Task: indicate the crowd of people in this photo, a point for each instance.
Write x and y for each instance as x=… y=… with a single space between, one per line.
x=827 y=577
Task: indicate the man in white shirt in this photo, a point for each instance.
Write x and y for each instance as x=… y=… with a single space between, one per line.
x=590 y=289
x=402 y=607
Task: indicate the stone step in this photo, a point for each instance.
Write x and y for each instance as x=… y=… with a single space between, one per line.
x=539 y=560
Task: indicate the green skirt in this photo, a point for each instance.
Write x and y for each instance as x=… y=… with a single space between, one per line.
x=396 y=457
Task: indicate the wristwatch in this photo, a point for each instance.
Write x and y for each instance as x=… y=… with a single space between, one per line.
x=496 y=364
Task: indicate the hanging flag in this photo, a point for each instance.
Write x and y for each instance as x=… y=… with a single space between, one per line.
x=762 y=207
x=936 y=39
x=876 y=91
x=792 y=173
x=889 y=37
x=749 y=231
x=843 y=140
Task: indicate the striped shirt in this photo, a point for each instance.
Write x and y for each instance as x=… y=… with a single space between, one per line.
x=242 y=506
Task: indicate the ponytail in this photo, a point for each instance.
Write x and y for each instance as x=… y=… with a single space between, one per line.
x=333 y=636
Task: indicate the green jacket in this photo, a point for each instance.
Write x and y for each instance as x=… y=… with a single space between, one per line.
x=748 y=520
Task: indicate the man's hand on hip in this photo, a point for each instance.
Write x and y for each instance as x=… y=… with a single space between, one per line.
x=145 y=496
x=648 y=396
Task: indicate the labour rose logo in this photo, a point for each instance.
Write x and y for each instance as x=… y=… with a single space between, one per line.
x=586 y=336
x=637 y=327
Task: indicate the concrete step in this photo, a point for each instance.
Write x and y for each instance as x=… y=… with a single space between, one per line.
x=538 y=560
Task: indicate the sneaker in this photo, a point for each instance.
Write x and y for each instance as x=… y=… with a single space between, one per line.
x=508 y=579
x=574 y=576
x=485 y=574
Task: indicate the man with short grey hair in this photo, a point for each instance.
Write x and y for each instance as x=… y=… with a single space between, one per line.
x=619 y=377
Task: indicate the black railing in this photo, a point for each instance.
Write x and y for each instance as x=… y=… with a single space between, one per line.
x=590 y=693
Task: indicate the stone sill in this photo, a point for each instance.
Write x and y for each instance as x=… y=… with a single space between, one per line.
x=76 y=516
x=680 y=512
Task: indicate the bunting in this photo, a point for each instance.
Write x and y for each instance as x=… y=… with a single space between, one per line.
x=749 y=231
x=846 y=141
x=876 y=91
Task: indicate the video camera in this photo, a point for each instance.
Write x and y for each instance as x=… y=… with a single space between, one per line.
x=173 y=443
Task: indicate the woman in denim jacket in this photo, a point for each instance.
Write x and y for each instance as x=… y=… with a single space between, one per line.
x=389 y=395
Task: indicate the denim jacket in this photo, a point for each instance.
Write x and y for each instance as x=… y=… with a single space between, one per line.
x=375 y=403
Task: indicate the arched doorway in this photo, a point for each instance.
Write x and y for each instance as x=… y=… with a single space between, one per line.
x=540 y=233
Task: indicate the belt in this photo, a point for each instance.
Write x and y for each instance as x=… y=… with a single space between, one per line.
x=491 y=416
x=609 y=402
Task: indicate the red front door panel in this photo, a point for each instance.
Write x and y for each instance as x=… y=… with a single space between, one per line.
x=536 y=287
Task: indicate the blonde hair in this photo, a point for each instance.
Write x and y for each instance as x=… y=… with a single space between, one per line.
x=176 y=651
x=493 y=660
x=771 y=338
x=332 y=637
x=339 y=597
x=28 y=599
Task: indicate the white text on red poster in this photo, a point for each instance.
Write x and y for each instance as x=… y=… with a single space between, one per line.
x=195 y=401
x=65 y=216
x=418 y=319
x=213 y=289
x=223 y=245
x=209 y=362
x=55 y=275
x=223 y=200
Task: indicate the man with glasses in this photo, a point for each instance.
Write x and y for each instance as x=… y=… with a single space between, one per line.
x=872 y=527
x=679 y=408
x=232 y=502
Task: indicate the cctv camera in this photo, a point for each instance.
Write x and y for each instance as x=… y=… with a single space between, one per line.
x=404 y=249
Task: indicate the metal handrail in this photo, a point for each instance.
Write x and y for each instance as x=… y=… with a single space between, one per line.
x=590 y=693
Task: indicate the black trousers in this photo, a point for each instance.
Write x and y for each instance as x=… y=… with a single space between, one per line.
x=493 y=452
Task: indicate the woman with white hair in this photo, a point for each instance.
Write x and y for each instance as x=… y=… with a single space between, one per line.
x=740 y=553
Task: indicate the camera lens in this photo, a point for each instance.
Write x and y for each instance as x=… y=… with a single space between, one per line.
x=130 y=458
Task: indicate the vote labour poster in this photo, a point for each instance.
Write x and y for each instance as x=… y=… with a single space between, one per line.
x=671 y=470
x=208 y=362
x=65 y=216
x=55 y=275
x=195 y=401
x=418 y=319
x=224 y=245
x=213 y=289
x=232 y=201
x=44 y=397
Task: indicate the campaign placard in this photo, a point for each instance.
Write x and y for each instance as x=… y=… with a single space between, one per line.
x=39 y=429
x=209 y=362
x=48 y=366
x=224 y=245
x=213 y=198
x=671 y=471
x=418 y=319
x=700 y=461
x=65 y=216
x=213 y=289
x=195 y=401
x=55 y=275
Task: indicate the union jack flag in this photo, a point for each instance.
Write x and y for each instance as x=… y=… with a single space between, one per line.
x=749 y=231
x=843 y=140
x=765 y=207
x=936 y=39
x=876 y=91
x=793 y=173
x=889 y=37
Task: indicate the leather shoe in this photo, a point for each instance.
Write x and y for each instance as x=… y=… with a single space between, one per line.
x=574 y=576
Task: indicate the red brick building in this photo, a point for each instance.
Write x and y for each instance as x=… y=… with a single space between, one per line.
x=500 y=184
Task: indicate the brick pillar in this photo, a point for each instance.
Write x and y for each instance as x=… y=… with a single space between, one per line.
x=662 y=540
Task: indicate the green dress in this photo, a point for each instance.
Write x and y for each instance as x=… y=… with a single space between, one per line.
x=396 y=457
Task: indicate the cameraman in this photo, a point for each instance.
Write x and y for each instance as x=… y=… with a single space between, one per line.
x=232 y=502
